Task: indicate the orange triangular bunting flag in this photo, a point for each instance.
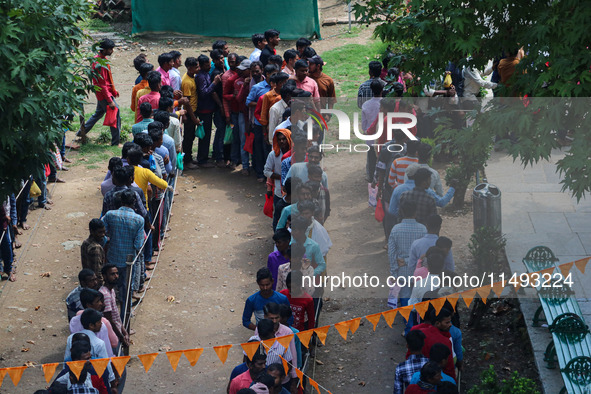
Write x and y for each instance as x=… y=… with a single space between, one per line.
x=285 y=366
x=250 y=348
x=2 y=375
x=437 y=304
x=582 y=263
x=468 y=296
x=285 y=340
x=565 y=268
x=99 y=365
x=498 y=288
x=16 y=373
x=305 y=337
x=483 y=292
x=222 y=352
x=374 y=319
x=354 y=324
x=147 y=360
x=174 y=357
x=269 y=343
x=300 y=375
x=75 y=366
x=421 y=308
x=193 y=355
x=322 y=332
x=453 y=299
x=389 y=316
x=314 y=384
x=119 y=363
x=342 y=328
x=48 y=371
x=547 y=271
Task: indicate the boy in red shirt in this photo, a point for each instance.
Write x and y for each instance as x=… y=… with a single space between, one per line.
x=301 y=303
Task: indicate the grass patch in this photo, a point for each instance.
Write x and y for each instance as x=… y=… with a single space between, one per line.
x=347 y=65
x=94 y=25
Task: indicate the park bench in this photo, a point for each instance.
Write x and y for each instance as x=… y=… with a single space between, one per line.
x=571 y=340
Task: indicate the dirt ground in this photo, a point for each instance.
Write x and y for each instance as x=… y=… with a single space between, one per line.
x=219 y=238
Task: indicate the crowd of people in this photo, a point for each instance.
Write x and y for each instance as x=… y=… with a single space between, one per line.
x=259 y=108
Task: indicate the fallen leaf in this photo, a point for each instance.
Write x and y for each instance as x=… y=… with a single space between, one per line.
x=319 y=362
x=170 y=299
x=30 y=363
x=31 y=342
x=362 y=383
x=25 y=349
x=37 y=307
x=45 y=274
x=164 y=349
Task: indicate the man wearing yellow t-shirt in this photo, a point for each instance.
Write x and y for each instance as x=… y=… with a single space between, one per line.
x=189 y=89
x=143 y=176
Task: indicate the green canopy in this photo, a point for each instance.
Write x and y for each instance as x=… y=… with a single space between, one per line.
x=226 y=18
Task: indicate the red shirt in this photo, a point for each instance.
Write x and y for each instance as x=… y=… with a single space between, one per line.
x=241 y=381
x=432 y=336
x=228 y=79
x=104 y=81
x=301 y=306
x=153 y=98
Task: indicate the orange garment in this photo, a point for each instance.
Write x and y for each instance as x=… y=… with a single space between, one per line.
x=269 y=98
x=287 y=135
x=142 y=85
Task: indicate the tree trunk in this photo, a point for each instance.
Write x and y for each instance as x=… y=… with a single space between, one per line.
x=459 y=197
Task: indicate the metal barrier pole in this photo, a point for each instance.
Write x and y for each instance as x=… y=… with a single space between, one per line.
x=127 y=305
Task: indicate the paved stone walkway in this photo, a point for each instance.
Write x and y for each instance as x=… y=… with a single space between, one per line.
x=536 y=212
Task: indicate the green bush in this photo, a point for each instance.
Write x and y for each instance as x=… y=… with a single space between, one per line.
x=489 y=384
x=486 y=246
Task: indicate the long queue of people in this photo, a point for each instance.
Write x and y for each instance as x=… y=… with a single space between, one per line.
x=118 y=255
x=258 y=105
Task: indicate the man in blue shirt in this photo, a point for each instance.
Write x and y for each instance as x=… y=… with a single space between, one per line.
x=125 y=230
x=410 y=185
x=259 y=148
x=142 y=126
x=420 y=246
x=256 y=302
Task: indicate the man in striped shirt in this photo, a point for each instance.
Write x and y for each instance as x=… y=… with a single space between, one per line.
x=398 y=168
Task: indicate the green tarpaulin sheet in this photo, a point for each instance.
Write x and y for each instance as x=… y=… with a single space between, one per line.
x=226 y=18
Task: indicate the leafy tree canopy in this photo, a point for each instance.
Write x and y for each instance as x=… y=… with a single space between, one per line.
x=44 y=78
x=554 y=35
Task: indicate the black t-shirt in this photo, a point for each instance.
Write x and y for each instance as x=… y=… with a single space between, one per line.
x=266 y=53
x=218 y=89
x=384 y=162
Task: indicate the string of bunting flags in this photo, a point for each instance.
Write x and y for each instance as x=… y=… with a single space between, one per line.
x=250 y=348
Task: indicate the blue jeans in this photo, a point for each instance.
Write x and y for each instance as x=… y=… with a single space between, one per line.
x=167 y=205
x=101 y=110
x=412 y=320
x=220 y=131
x=239 y=155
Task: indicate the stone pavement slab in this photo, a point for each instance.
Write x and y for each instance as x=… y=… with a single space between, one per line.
x=536 y=212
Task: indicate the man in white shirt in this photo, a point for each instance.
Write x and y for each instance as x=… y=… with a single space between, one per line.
x=92 y=322
x=276 y=111
x=259 y=42
x=473 y=81
x=174 y=73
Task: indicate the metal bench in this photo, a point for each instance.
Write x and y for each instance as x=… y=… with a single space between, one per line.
x=571 y=340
